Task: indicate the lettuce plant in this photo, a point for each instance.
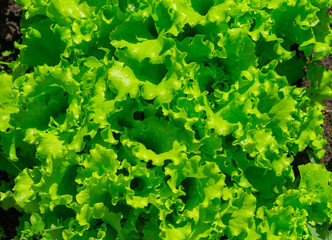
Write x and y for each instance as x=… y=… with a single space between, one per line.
x=167 y=119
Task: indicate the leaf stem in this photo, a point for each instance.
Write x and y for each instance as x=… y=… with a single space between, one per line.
x=4 y=156
x=4 y=63
x=51 y=229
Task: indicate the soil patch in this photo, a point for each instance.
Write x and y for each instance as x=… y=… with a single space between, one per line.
x=10 y=16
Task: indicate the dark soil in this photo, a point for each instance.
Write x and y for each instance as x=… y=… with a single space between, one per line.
x=10 y=16
x=327 y=160
x=10 y=13
x=9 y=221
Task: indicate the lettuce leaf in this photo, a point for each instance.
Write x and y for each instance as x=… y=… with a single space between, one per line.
x=128 y=119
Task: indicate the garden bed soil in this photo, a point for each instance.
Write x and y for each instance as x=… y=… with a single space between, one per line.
x=10 y=16
x=10 y=32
